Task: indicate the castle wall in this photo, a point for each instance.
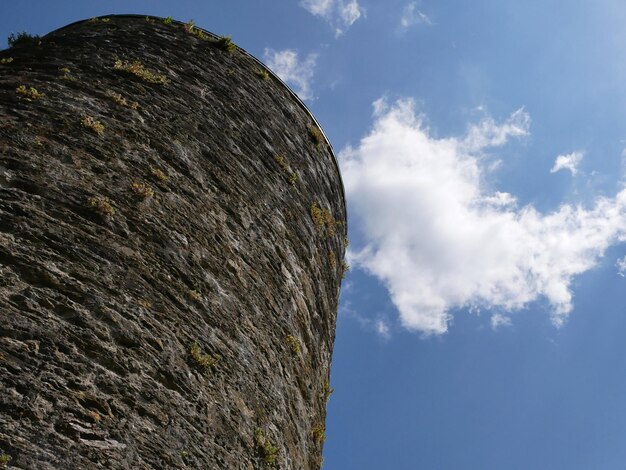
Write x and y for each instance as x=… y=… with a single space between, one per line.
x=172 y=230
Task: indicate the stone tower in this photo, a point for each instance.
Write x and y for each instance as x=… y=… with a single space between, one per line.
x=172 y=230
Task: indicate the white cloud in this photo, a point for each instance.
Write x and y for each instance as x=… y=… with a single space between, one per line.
x=383 y=329
x=321 y=8
x=499 y=320
x=567 y=162
x=291 y=70
x=488 y=133
x=439 y=238
x=621 y=266
x=412 y=16
x=349 y=12
x=340 y=14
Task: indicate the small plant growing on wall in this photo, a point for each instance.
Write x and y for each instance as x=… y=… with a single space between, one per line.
x=263 y=75
x=158 y=174
x=225 y=43
x=204 y=361
x=139 y=70
x=332 y=260
x=4 y=460
x=323 y=220
x=190 y=28
x=281 y=161
x=195 y=295
x=92 y=124
x=101 y=205
x=21 y=39
x=294 y=345
x=316 y=136
x=345 y=267
x=141 y=189
x=327 y=391
x=29 y=94
x=67 y=74
x=266 y=449
x=99 y=20
x=319 y=433
x=145 y=303
x=119 y=99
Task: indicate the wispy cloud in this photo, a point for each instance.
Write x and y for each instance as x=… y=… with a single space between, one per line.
x=567 y=162
x=621 y=266
x=489 y=133
x=411 y=16
x=297 y=73
x=340 y=14
x=439 y=238
x=383 y=329
x=321 y=8
x=380 y=325
x=498 y=320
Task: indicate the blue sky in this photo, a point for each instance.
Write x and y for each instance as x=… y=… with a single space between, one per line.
x=483 y=323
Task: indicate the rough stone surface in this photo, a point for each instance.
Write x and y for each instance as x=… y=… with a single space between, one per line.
x=175 y=229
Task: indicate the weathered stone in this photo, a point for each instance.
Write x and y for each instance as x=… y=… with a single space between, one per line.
x=166 y=298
